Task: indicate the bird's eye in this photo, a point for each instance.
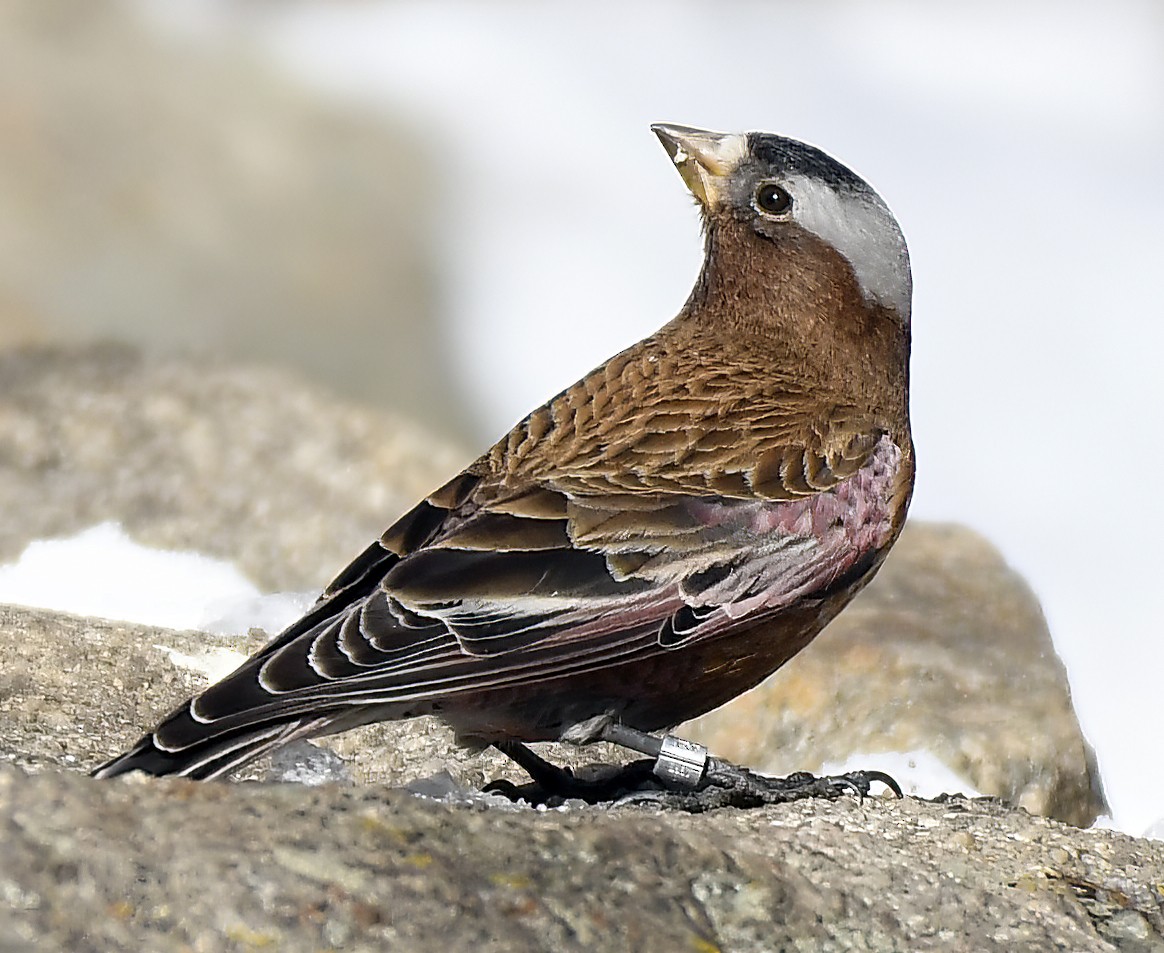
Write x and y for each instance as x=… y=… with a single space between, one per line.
x=773 y=199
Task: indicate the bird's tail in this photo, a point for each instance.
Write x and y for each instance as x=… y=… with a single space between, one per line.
x=238 y=719
x=211 y=757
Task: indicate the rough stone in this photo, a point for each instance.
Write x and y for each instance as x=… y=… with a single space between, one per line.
x=946 y=652
x=245 y=463
x=178 y=866
x=178 y=193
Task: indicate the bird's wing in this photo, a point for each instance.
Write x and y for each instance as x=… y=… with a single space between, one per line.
x=488 y=583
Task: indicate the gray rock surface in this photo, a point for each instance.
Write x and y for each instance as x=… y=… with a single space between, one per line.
x=173 y=865
x=249 y=464
x=176 y=193
x=75 y=691
x=946 y=652
x=245 y=463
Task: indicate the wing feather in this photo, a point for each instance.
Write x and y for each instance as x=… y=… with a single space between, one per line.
x=575 y=582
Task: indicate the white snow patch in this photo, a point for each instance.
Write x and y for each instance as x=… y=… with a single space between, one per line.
x=102 y=572
x=920 y=773
x=213 y=663
x=1154 y=831
x=271 y=613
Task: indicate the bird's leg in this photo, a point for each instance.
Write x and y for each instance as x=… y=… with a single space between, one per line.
x=549 y=776
x=551 y=782
x=676 y=773
x=677 y=761
x=695 y=780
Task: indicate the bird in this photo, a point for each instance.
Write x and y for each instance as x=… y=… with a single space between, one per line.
x=652 y=541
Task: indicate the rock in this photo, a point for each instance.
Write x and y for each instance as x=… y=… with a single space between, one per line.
x=75 y=691
x=176 y=865
x=244 y=463
x=179 y=194
x=248 y=463
x=165 y=865
x=947 y=653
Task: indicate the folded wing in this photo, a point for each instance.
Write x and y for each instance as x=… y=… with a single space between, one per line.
x=485 y=586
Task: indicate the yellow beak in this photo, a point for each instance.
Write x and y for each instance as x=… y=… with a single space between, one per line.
x=705 y=159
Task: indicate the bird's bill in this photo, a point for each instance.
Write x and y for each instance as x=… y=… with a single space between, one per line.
x=705 y=159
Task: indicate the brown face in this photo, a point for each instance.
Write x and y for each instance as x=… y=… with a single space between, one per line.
x=792 y=193
x=806 y=272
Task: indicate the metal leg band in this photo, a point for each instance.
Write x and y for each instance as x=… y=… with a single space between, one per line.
x=681 y=762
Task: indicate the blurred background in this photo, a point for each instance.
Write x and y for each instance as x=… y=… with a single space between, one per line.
x=455 y=209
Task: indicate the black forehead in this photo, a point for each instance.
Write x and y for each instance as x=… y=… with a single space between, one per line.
x=788 y=155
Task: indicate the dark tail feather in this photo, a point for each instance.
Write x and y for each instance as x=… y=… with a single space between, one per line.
x=212 y=758
x=238 y=719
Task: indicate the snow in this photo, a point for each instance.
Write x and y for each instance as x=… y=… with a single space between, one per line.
x=920 y=773
x=102 y=572
x=119 y=579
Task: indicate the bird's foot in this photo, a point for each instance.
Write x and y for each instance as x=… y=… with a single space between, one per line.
x=552 y=786
x=690 y=774
x=728 y=785
x=678 y=774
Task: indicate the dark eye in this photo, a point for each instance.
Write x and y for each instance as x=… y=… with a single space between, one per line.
x=773 y=199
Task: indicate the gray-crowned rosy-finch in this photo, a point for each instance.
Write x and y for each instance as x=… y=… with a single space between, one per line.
x=654 y=540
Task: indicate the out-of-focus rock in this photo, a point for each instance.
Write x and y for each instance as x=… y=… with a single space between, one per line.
x=76 y=691
x=161 y=865
x=946 y=652
x=180 y=195
x=135 y=864
x=244 y=463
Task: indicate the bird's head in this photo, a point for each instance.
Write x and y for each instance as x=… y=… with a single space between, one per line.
x=794 y=196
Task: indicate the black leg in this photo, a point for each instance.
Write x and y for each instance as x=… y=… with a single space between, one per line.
x=676 y=773
x=549 y=776
x=693 y=779
x=553 y=785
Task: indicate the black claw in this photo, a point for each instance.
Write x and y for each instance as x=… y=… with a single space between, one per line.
x=888 y=781
x=859 y=783
x=504 y=787
x=847 y=784
x=554 y=789
x=724 y=784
